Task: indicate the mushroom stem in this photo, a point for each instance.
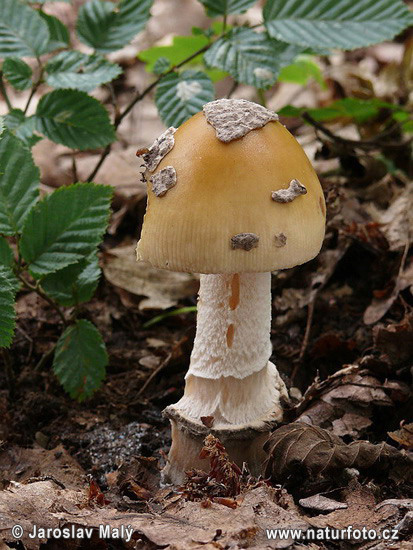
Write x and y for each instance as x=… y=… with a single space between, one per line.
x=230 y=377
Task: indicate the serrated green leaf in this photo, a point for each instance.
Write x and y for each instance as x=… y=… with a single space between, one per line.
x=224 y=7
x=59 y=33
x=64 y=227
x=6 y=264
x=22 y=31
x=74 y=119
x=80 y=71
x=107 y=27
x=80 y=359
x=249 y=57
x=179 y=96
x=181 y=48
x=301 y=71
x=342 y=24
x=18 y=73
x=22 y=127
x=162 y=64
x=74 y=284
x=7 y=311
x=19 y=179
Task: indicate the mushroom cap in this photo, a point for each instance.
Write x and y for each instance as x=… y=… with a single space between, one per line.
x=208 y=221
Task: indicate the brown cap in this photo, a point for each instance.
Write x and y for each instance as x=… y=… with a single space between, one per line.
x=233 y=192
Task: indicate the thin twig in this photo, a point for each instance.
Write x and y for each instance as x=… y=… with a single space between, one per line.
x=158 y=369
x=44 y=358
x=354 y=143
x=74 y=169
x=4 y=92
x=35 y=87
x=234 y=86
x=135 y=100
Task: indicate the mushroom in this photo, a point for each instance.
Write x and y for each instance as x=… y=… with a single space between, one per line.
x=243 y=200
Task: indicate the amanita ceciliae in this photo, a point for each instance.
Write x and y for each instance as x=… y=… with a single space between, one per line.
x=231 y=195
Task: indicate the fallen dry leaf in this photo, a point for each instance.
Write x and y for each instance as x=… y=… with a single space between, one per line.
x=298 y=448
x=380 y=306
x=162 y=288
x=321 y=503
x=396 y=223
x=344 y=402
x=404 y=436
x=179 y=526
x=395 y=340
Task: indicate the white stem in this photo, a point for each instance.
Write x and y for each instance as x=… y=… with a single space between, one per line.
x=230 y=376
x=233 y=325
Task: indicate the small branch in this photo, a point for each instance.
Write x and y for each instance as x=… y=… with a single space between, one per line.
x=353 y=143
x=35 y=87
x=44 y=358
x=234 y=86
x=74 y=169
x=149 y=88
x=261 y=97
x=119 y=117
x=42 y=294
x=4 y=92
x=103 y=156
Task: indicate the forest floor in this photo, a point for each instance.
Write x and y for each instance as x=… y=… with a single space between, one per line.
x=342 y=341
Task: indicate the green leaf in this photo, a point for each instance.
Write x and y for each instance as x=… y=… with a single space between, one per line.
x=342 y=24
x=80 y=359
x=19 y=179
x=360 y=110
x=181 y=48
x=223 y=7
x=59 y=33
x=74 y=119
x=65 y=226
x=80 y=71
x=107 y=27
x=6 y=264
x=75 y=283
x=301 y=71
x=18 y=73
x=7 y=311
x=22 y=127
x=179 y=96
x=6 y=253
x=249 y=57
x=23 y=32
x=171 y=313
x=162 y=64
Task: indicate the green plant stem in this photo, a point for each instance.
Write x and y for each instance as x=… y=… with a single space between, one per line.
x=135 y=100
x=44 y=358
x=4 y=92
x=38 y=290
x=224 y=23
x=261 y=97
x=35 y=87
